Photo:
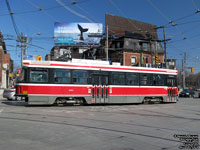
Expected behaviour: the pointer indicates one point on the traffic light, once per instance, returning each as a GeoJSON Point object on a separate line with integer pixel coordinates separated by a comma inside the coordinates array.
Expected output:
{"type": "Point", "coordinates": [192, 69]}
{"type": "Point", "coordinates": [157, 60]}
{"type": "Point", "coordinates": [39, 58]}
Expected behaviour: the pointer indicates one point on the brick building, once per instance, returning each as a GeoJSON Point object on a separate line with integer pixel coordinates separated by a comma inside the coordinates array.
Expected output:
{"type": "Point", "coordinates": [135, 52]}
{"type": "Point", "coordinates": [6, 65]}
{"type": "Point", "coordinates": [133, 43]}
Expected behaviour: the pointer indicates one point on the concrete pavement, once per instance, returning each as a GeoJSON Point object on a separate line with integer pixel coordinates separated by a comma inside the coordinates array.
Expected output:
{"type": "Point", "coordinates": [111, 127]}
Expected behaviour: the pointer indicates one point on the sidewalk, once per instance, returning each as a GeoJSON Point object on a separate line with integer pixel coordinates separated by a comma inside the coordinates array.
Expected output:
{"type": "Point", "coordinates": [1, 93]}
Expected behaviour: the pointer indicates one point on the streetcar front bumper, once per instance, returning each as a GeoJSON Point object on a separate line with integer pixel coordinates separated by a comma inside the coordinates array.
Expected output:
{"type": "Point", "coordinates": [23, 96]}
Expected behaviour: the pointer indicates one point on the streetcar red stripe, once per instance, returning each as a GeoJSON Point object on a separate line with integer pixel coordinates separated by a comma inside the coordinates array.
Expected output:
{"type": "Point", "coordinates": [72, 90]}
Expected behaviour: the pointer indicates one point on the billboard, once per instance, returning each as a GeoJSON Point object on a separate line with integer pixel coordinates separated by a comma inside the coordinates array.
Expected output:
{"type": "Point", "coordinates": [78, 33]}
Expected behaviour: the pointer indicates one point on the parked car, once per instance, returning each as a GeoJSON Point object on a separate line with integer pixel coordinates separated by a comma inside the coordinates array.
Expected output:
{"type": "Point", "coordinates": [187, 93]}
{"type": "Point", "coordinates": [9, 93]}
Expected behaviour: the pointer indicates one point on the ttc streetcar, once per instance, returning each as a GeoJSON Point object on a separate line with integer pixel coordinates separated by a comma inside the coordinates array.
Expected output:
{"type": "Point", "coordinates": [94, 82]}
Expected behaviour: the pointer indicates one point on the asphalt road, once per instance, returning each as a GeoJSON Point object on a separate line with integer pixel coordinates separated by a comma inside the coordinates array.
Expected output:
{"type": "Point", "coordinates": [111, 127]}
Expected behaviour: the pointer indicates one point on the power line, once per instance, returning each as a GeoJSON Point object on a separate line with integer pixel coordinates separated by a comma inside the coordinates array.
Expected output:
{"type": "Point", "coordinates": [194, 5]}
{"type": "Point", "coordinates": [42, 9]}
{"type": "Point", "coordinates": [73, 11]}
{"type": "Point", "coordinates": [184, 37]}
{"type": "Point", "coordinates": [12, 18]}
{"type": "Point", "coordinates": [171, 22]}
{"type": "Point", "coordinates": [195, 36]}
{"type": "Point", "coordinates": [164, 16]}
{"type": "Point", "coordinates": [85, 11]}
{"type": "Point", "coordinates": [184, 23]}
{"type": "Point", "coordinates": [158, 10]}
{"type": "Point", "coordinates": [116, 7]}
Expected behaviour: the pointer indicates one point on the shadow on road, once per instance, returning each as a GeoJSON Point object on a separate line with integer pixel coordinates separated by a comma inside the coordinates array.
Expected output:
{"type": "Point", "coordinates": [15, 103]}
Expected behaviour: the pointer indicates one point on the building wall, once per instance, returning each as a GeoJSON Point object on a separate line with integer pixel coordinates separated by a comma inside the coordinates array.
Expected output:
{"type": "Point", "coordinates": [48, 57]}
{"type": "Point", "coordinates": [118, 25]}
{"type": "Point", "coordinates": [116, 57]}
{"type": "Point", "coordinates": [1, 65]}
{"type": "Point", "coordinates": [5, 66]}
{"type": "Point", "coordinates": [126, 58]}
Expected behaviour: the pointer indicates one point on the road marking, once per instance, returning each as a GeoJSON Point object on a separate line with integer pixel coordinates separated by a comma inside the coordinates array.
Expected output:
{"type": "Point", "coordinates": [1, 110]}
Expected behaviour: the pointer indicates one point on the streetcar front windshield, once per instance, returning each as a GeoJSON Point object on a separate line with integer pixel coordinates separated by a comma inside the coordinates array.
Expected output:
{"type": "Point", "coordinates": [22, 76]}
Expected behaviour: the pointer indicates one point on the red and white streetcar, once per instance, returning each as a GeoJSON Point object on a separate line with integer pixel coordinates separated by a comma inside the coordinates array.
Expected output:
{"type": "Point", "coordinates": [94, 82]}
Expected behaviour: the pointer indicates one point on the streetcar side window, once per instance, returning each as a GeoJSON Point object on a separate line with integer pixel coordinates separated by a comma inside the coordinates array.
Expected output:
{"type": "Point", "coordinates": [62, 76]}
{"type": "Point", "coordinates": [146, 79]}
{"type": "Point", "coordinates": [38, 75]}
{"type": "Point", "coordinates": [80, 77]}
{"type": "Point", "coordinates": [171, 81]}
{"type": "Point", "coordinates": [132, 79]}
{"type": "Point", "coordinates": [159, 79]}
{"type": "Point", "coordinates": [118, 78]}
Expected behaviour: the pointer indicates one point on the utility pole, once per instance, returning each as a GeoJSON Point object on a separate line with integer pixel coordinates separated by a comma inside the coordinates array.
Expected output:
{"type": "Point", "coordinates": [23, 45]}
{"type": "Point", "coordinates": [165, 47]}
{"type": "Point", "coordinates": [183, 69]}
{"type": "Point", "coordinates": [106, 43]}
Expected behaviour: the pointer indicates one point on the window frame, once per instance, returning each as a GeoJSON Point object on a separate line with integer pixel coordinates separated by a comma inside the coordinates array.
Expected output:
{"type": "Point", "coordinates": [149, 81]}
{"type": "Point", "coordinates": [87, 79]}
{"type": "Point", "coordinates": [137, 78]}
{"type": "Point", "coordinates": [38, 69]}
{"type": "Point", "coordinates": [133, 57]}
{"type": "Point", "coordinates": [118, 83]}
{"type": "Point", "coordinates": [163, 79]}
{"type": "Point", "coordinates": [53, 78]}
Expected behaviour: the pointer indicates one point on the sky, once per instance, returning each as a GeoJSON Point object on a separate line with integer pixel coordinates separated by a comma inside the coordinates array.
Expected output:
{"type": "Point", "coordinates": [36, 18]}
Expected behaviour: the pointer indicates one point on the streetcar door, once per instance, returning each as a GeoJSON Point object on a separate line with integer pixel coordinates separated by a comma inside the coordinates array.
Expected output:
{"type": "Point", "coordinates": [171, 82]}
{"type": "Point", "coordinates": [100, 88]}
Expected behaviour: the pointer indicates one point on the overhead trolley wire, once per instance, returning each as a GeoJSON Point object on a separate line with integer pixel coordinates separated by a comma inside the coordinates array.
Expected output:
{"type": "Point", "coordinates": [158, 10]}
{"type": "Point", "coordinates": [194, 5]}
{"type": "Point", "coordinates": [116, 7]}
{"type": "Point", "coordinates": [137, 28]}
{"type": "Point", "coordinates": [73, 11]}
{"type": "Point", "coordinates": [12, 18]}
{"type": "Point", "coordinates": [78, 6]}
{"type": "Point", "coordinates": [42, 9]}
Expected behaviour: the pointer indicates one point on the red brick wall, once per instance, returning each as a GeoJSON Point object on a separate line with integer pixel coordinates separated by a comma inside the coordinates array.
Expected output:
{"type": "Point", "coordinates": [1, 63]}
{"type": "Point", "coordinates": [4, 58]}
{"type": "Point", "coordinates": [127, 58]}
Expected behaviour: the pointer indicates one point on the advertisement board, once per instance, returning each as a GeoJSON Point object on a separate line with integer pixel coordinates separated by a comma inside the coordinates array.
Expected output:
{"type": "Point", "coordinates": [78, 33]}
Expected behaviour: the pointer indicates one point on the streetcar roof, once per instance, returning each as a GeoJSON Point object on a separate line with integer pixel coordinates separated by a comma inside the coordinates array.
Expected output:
{"type": "Point", "coordinates": [95, 65]}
